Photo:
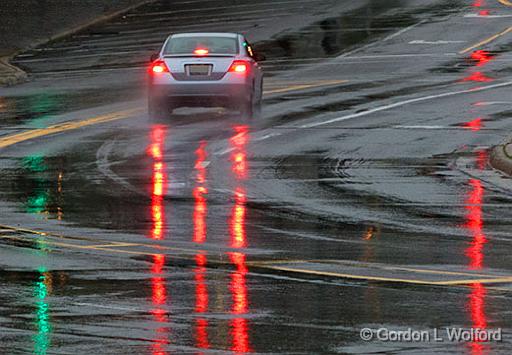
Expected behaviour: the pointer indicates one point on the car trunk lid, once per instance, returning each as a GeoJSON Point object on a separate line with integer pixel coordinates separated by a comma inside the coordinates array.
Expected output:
{"type": "Point", "coordinates": [192, 68]}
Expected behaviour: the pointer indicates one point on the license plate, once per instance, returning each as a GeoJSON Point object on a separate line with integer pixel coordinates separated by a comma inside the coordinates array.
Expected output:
{"type": "Point", "coordinates": [199, 69]}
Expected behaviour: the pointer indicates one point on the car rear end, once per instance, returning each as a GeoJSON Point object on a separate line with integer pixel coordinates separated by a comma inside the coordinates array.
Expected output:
{"type": "Point", "coordinates": [201, 70]}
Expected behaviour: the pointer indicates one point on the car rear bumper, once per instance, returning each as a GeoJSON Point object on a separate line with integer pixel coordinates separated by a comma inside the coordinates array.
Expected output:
{"type": "Point", "coordinates": [229, 88]}
{"type": "Point", "coordinates": [201, 90]}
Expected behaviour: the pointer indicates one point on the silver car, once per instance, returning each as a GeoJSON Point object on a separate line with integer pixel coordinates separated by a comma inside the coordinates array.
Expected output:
{"type": "Point", "coordinates": [205, 69]}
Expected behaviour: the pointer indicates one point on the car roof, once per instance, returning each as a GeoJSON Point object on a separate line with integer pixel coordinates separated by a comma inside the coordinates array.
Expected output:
{"type": "Point", "coordinates": [206, 34]}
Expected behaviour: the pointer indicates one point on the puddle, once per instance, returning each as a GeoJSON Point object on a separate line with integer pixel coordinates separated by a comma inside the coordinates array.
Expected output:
{"type": "Point", "coordinates": [333, 36]}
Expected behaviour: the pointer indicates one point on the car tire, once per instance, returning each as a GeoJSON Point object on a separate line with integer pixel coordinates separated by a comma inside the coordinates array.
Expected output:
{"type": "Point", "coordinates": [247, 109]}
{"type": "Point", "coordinates": [158, 110]}
{"type": "Point", "coordinates": [257, 110]}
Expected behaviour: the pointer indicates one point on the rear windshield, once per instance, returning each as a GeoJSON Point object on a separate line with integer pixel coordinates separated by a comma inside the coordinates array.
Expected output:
{"type": "Point", "coordinates": [214, 45]}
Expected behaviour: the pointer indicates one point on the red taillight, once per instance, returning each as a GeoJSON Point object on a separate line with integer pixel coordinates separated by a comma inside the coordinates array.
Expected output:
{"type": "Point", "coordinates": [239, 66]}
{"type": "Point", "coordinates": [159, 67]}
{"type": "Point", "coordinates": [201, 51]}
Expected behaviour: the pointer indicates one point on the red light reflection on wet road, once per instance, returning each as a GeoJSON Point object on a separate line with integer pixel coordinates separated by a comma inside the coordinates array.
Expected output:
{"type": "Point", "coordinates": [201, 307]}
{"type": "Point", "coordinates": [474, 200]}
{"type": "Point", "coordinates": [477, 303]}
{"type": "Point", "coordinates": [474, 224]}
{"type": "Point", "coordinates": [474, 125]}
{"type": "Point", "coordinates": [238, 288]}
{"type": "Point", "coordinates": [200, 192]}
{"type": "Point", "coordinates": [478, 77]}
{"type": "Point", "coordinates": [200, 213]}
{"type": "Point", "coordinates": [239, 155]}
{"type": "Point", "coordinates": [239, 325]}
{"type": "Point", "coordinates": [479, 59]}
{"type": "Point", "coordinates": [159, 181]}
{"type": "Point", "coordinates": [240, 169]}
{"type": "Point", "coordinates": [159, 301]}
{"type": "Point", "coordinates": [481, 159]}
{"type": "Point", "coordinates": [478, 317]}
{"type": "Point", "coordinates": [159, 296]}
{"type": "Point", "coordinates": [479, 4]}
{"type": "Point", "coordinates": [238, 235]}
{"type": "Point", "coordinates": [157, 142]}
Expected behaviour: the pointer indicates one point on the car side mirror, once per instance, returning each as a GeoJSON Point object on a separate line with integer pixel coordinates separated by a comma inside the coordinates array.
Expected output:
{"type": "Point", "coordinates": [154, 57]}
{"type": "Point", "coordinates": [259, 57]}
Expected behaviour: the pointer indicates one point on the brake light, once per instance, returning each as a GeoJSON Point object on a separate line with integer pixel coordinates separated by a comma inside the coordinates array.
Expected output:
{"type": "Point", "coordinates": [239, 66]}
{"type": "Point", "coordinates": [159, 67]}
{"type": "Point", "coordinates": [201, 51]}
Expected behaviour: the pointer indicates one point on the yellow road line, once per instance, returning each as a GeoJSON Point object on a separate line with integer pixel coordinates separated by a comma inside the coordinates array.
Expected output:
{"type": "Point", "coordinates": [506, 2]}
{"type": "Point", "coordinates": [66, 126]}
{"type": "Point", "coordinates": [102, 247]}
{"type": "Point", "coordinates": [282, 261]}
{"type": "Point", "coordinates": [477, 281]}
{"type": "Point", "coordinates": [113, 247]}
{"type": "Point", "coordinates": [45, 234]}
{"type": "Point", "coordinates": [438, 272]}
{"type": "Point", "coordinates": [353, 276]}
{"type": "Point", "coordinates": [487, 40]}
{"type": "Point", "coordinates": [394, 268]}
{"type": "Point", "coordinates": [68, 245]}
{"type": "Point", "coordinates": [493, 288]}
{"type": "Point", "coordinates": [304, 86]}
{"type": "Point", "coordinates": [391, 279]}
{"type": "Point", "coordinates": [109, 245]}
{"type": "Point", "coordinates": [99, 246]}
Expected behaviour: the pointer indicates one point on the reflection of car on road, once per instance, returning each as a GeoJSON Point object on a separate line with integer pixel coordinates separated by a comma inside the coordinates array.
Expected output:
{"type": "Point", "coordinates": [205, 69]}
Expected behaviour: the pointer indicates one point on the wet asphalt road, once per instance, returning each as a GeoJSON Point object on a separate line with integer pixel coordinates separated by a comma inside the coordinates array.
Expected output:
{"type": "Point", "coordinates": [361, 198]}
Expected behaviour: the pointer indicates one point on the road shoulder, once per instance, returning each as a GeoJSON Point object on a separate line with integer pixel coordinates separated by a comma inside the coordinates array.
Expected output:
{"type": "Point", "coordinates": [501, 157]}
{"type": "Point", "coordinates": [12, 75]}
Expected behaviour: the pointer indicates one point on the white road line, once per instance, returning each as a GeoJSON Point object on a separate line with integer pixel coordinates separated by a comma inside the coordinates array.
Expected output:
{"type": "Point", "coordinates": [408, 55]}
{"type": "Point", "coordinates": [486, 16]}
{"type": "Point", "coordinates": [407, 102]}
{"type": "Point", "coordinates": [377, 56]}
{"type": "Point", "coordinates": [435, 42]}
{"type": "Point", "coordinates": [104, 166]}
{"type": "Point", "coordinates": [79, 56]}
{"type": "Point", "coordinates": [379, 109]}
{"type": "Point", "coordinates": [403, 30]}
{"type": "Point", "coordinates": [203, 165]}
{"type": "Point", "coordinates": [116, 308]}
{"type": "Point", "coordinates": [224, 152]}
{"type": "Point", "coordinates": [266, 137]}
{"type": "Point", "coordinates": [422, 127]}
{"type": "Point", "coordinates": [489, 103]}
{"type": "Point", "coordinates": [388, 38]}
